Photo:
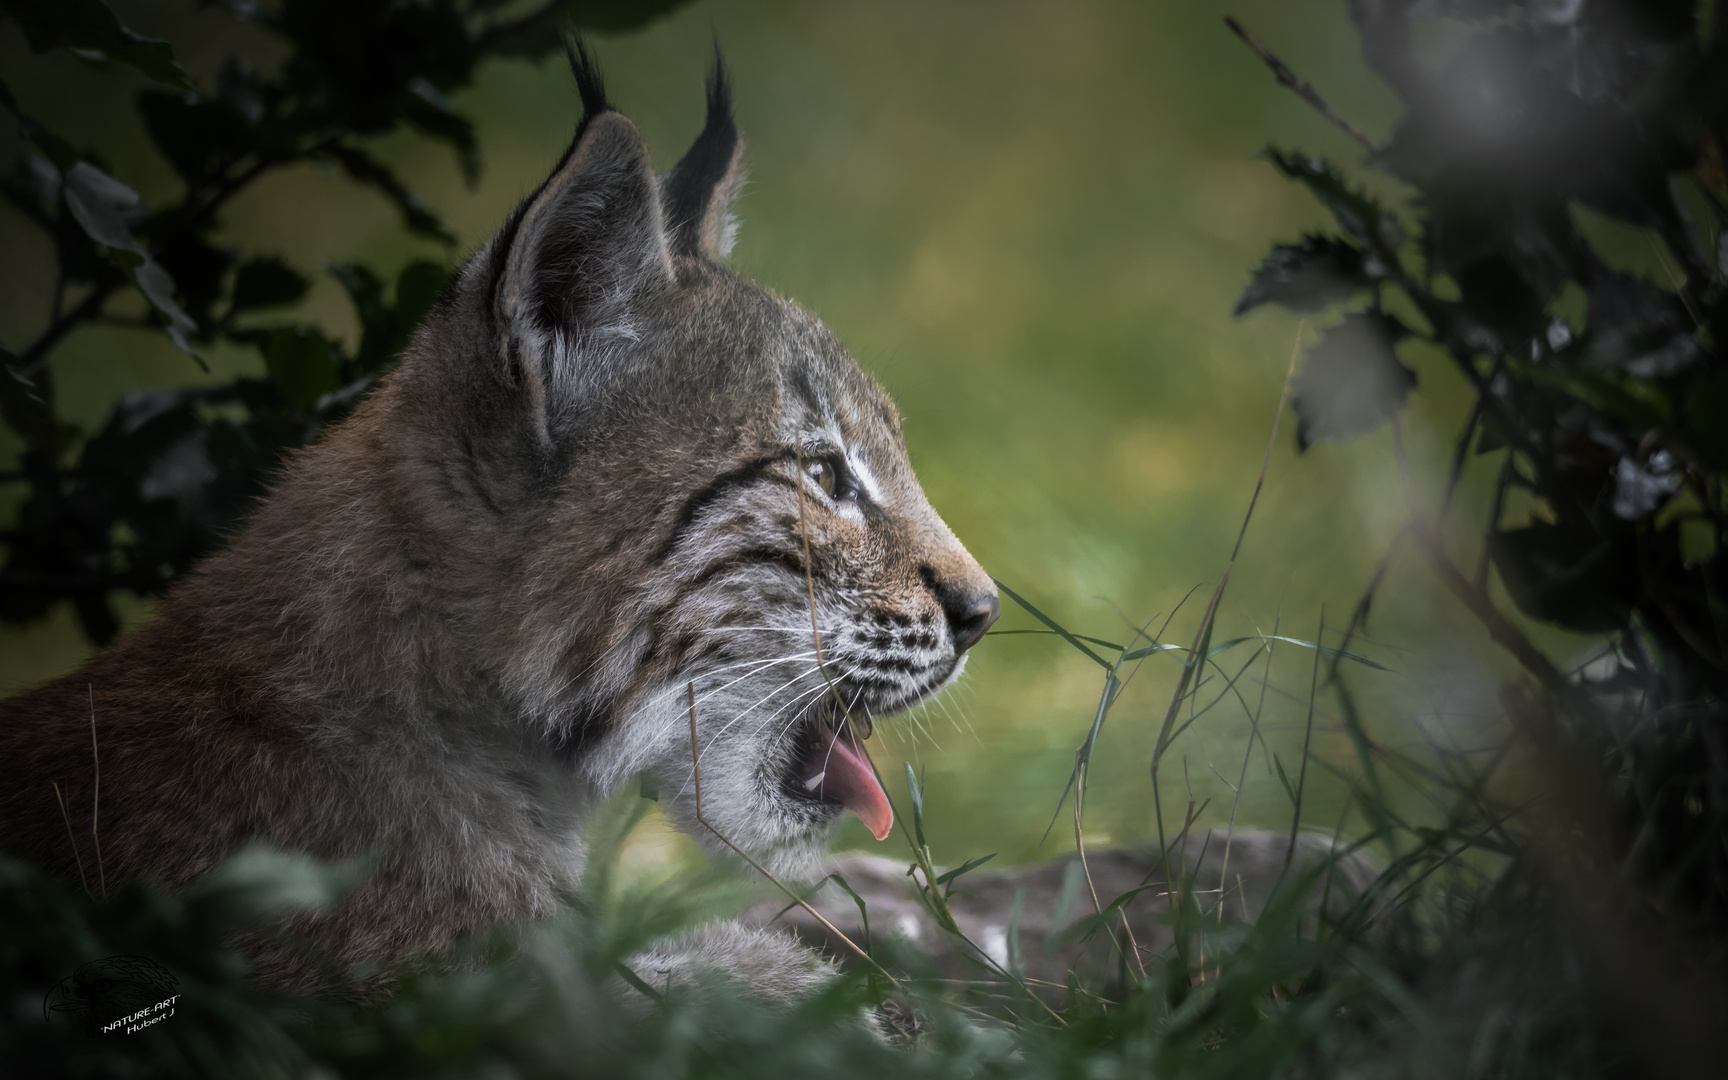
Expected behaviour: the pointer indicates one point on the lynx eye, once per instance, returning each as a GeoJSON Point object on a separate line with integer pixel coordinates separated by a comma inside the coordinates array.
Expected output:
{"type": "Point", "coordinates": [830, 476]}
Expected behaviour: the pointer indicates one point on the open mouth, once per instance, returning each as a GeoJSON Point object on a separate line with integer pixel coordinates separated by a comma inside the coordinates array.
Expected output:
{"type": "Point", "coordinates": [832, 768]}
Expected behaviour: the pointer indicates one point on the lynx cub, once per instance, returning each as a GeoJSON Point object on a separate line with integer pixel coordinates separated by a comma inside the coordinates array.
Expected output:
{"type": "Point", "coordinates": [607, 470]}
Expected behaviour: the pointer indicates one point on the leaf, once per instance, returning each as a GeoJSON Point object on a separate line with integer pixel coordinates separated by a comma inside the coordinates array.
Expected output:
{"type": "Point", "coordinates": [966, 867]}
{"type": "Point", "coordinates": [158, 287]}
{"type": "Point", "coordinates": [1375, 228]}
{"type": "Point", "coordinates": [90, 26]}
{"type": "Point", "coordinates": [1583, 579]}
{"type": "Point", "coordinates": [418, 287]}
{"type": "Point", "coordinates": [1637, 328]}
{"type": "Point", "coordinates": [1284, 778]}
{"type": "Point", "coordinates": [370, 171]}
{"type": "Point", "coordinates": [301, 362]}
{"type": "Point", "coordinates": [266, 282]}
{"type": "Point", "coordinates": [1497, 295]}
{"type": "Point", "coordinates": [1156, 647]}
{"type": "Point", "coordinates": [1051, 623]}
{"type": "Point", "coordinates": [1306, 277]}
{"type": "Point", "coordinates": [385, 326]}
{"type": "Point", "coordinates": [1080, 637]}
{"type": "Point", "coordinates": [629, 975]}
{"type": "Point", "coordinates": [197, 135]}
{"type": "Point", "coordinates": [1087, 925]}
{"type": "Point", "coordinates": [863, 911]}
{"type": "Point", "coordinates": [105, 209]}
{"type": "Point", "coordinates": [1329, 650]}
{"type": "Point", "coordinates": [1640, 403]}
{"type": "Point", "coordinates": [917, 803]}
{"type": "Point", "coordinates": [1352, 381]}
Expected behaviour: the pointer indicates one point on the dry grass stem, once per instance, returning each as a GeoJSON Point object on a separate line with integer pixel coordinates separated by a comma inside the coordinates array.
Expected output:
{"type": "Point", "coordinates": [96, 798]}
{"type": "Point", "coordinates": [73, 838]}
{"type": "Point", "coordinates": [1133, 950]}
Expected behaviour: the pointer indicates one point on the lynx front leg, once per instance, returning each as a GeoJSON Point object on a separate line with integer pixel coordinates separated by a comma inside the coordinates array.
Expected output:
{"type": "Point", "coordinates": [772, 964]}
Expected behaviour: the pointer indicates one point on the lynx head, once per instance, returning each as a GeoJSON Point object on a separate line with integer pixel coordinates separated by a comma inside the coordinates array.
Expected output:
{"type": "Point", "coordinates": [684, 492]}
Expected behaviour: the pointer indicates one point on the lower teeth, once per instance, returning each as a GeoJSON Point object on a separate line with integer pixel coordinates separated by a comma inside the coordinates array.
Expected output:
{"type": "Point", "coordinates": [812, 783]}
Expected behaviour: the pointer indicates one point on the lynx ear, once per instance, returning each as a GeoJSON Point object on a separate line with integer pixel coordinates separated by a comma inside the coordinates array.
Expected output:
{"type": "Point", "coordinates": [699, 190]}
{"type": "Point", "coordinates": [577, 258]}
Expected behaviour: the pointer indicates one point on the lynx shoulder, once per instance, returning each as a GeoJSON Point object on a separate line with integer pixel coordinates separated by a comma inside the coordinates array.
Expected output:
{"type": "Point", "coordinates": [608, 478]}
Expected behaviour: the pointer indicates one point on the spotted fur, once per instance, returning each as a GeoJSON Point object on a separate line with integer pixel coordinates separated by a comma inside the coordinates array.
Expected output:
{"type": "Point", "coordinates": [593, 486]}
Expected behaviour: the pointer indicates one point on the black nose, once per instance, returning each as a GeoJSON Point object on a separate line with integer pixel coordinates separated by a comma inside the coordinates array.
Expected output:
{"type": "Point", "coordinates": [969, 616]}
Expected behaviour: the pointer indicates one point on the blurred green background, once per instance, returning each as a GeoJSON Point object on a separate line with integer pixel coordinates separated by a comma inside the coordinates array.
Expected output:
{"type": "Point", "coordinates": [1029, 222]}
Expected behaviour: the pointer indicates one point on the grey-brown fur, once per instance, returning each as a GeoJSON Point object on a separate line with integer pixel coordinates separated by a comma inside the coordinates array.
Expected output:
{"type": "Point", "coordinates": [473, 609]}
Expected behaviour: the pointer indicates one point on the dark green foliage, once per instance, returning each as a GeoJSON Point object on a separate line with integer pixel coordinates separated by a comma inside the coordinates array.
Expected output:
{"type": "Point", "coordinates": [1546, 117]}
{"type": "Point", "coordinates": [545, 1001]}
{"type": "Point", "coordinates": [133, 505]}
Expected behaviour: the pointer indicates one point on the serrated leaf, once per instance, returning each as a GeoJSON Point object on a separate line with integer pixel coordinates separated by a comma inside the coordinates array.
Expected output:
{"type": "Point", "coordinates": [1306, 277]}
{"type": "Point", "coordinates": [1361, 217]}
{"type": "Point", "coordinates": [1352, 381]}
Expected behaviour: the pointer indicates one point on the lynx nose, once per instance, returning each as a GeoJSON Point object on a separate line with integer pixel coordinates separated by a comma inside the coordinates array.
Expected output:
{"type": "Point", "coordinates": [969, 617]}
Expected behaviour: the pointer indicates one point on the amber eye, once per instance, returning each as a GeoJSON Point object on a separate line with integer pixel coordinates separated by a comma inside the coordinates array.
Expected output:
{"type": "Point", "coordinates": [825, 474]}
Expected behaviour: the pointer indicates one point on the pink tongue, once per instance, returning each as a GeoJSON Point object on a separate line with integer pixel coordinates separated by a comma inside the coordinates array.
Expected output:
{"type": "Point", "coordinates": [847, 777]}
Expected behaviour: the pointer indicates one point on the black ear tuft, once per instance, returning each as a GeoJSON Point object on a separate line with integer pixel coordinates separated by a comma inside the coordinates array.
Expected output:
{"type": "Point", "coordinates": [697, 194]}
{"type": "Point", "coordinates": [575, 261]}
{"type": "Point", "coordinates": [588, 81]}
